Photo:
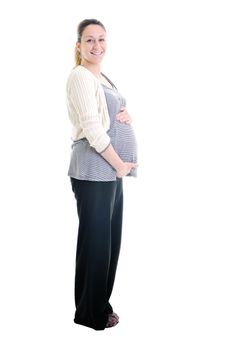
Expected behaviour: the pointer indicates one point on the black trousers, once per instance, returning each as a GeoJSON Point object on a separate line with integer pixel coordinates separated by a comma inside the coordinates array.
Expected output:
{"type": "Point", "coordinates": [100, 209]}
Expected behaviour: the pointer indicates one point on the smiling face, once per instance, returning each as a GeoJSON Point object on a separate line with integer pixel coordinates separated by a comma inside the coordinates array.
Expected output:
{"type": "Point", "coordinates": [93, 45]}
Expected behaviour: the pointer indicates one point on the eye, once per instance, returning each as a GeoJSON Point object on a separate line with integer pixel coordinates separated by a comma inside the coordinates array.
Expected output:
{"type": "Point", "coordinates": [102, 39]}
{"type": "Point", "coordinates": [89, 40]}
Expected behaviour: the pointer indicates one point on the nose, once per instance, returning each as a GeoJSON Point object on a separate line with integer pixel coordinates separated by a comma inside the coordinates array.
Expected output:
{"type": "Point", "coordinates": [96, 44]}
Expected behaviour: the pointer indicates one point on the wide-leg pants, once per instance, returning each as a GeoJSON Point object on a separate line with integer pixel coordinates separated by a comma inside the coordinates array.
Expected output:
{"type": "Point", "coordinates": [100, 209]}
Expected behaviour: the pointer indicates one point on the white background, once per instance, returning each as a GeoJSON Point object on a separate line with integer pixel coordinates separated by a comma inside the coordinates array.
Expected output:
{"type": "Point", "coordinates": [172, 61]}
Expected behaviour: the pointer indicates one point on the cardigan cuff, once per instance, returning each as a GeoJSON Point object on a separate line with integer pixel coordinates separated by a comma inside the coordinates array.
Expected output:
{"type": "Point", "coordinates": [105, 148]}
{"type": "Point", "coordinates": [102, 144]}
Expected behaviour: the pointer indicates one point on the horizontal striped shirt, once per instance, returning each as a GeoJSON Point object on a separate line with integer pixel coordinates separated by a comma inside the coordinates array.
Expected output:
{"type": "Point", "coordinates": [87, 164]}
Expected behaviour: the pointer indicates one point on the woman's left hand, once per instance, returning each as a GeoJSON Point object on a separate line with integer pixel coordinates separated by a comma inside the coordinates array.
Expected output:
{"type": "Point", "coordinates": [123, 116]}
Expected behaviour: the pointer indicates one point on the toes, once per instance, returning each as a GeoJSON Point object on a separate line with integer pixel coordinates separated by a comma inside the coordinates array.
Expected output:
{"type": "Point", "coordinates": [115, 315]}
{"type": "Point", "coordinates": [112, 321]}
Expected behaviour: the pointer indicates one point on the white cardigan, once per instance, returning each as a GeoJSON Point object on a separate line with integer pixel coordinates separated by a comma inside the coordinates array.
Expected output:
{"type": "Point", "coordinates": [87, 108]}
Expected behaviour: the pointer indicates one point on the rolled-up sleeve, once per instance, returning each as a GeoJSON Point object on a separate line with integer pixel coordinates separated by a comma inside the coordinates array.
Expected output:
{"type": "Point", "coordinates": [82, 95]}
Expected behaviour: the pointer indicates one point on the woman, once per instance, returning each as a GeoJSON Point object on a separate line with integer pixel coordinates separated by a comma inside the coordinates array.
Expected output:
{"type": "Point", "coordinates": [103, 151]}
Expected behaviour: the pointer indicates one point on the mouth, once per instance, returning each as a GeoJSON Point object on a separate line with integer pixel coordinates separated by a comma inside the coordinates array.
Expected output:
{"type": "Point", "coordinates": [96, 53]}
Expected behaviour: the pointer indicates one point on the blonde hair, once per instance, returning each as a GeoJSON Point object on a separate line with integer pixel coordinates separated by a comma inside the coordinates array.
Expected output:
{"type": "Point", "coordinates": [77, 57]}
{"type": "Point", "coordinates": [81, 26]}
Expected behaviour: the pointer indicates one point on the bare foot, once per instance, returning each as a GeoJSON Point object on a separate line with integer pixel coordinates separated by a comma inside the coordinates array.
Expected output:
{"type": "Point", "coordinates": [112, 321]}
{"type": "Point", "coordinates": [114, 315]}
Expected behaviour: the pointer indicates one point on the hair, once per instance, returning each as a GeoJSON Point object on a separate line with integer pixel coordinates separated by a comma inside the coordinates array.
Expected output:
{"type": "Point", "coordinates": [80, 29]}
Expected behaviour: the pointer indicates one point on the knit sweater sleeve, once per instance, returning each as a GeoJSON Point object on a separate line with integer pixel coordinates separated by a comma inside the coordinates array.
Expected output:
{"type": "Point", "coordinates": [81, 92]}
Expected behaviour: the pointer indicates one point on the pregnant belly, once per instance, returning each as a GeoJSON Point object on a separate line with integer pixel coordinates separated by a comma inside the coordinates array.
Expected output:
{"type": "Point", "coordinates": [125, 142]}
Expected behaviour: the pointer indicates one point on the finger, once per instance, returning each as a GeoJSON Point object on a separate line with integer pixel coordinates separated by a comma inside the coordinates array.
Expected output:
{"type": "Point", "coordinates": [123, 119]}
{"type": "Point", "coordinates": [121, 114]}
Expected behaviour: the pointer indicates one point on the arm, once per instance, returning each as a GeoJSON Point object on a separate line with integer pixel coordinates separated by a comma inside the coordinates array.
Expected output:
{"type": "Point", "coordinates": [81, 91]}
{"type": "Point", "coordinates": [122, 168]}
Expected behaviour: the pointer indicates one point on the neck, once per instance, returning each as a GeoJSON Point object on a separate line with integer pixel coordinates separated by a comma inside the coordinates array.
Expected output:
{"type": "Point", "coordinates": [93, 68]}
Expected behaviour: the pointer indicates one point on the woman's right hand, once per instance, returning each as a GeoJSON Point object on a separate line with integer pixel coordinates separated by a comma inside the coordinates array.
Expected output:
{"type": "Point", "coordinates": [122, 168]}
{"type": "Point", "coordinates": [126, 169]}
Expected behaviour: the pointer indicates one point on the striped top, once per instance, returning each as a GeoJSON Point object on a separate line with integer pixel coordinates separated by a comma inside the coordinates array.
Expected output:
{"type": "Point", "coordinates": [87, 164]}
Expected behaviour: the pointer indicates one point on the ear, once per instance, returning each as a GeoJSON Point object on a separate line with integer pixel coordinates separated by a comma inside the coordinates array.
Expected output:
{"type": "Point", "coordinates": [78, 46]}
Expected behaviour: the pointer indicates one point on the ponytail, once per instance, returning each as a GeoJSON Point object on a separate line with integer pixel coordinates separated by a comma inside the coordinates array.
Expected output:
{"type": "Point", "coordinates": [77, 57]}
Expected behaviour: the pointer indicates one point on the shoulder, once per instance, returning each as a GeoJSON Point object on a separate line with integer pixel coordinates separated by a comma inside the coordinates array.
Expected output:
{"type": "Point", "coordinates": [82, 75]}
